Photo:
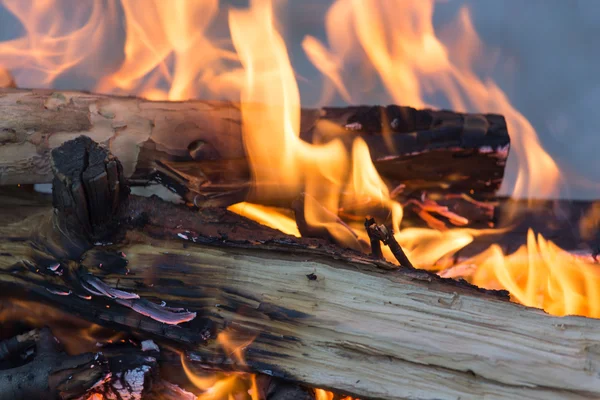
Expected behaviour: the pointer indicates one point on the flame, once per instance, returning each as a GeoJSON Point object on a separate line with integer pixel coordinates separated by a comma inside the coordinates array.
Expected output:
{"type": "Point", "coordinates": [397, 41]}
{"type": "Point", "coordinates": [216, 387]}
{"type": "Point", "coordinates": [321, 394]}
{"type": "Point", "coordinates": [221, 386]}
{"type": "Point", "coordinates": [541, 274]}
{"type": "Point", "coordinates": [76, 335]}
{"type": "Point", "coordinates": [270, 104]}
{"type": "Point", "coordinates": [172, 33]}
{"type": "Point", "coordinates": [54, 41]}
{"type": "Point", "coordinates": [173, 51]}
{"type": "Point", "coordinates": [269, 216]}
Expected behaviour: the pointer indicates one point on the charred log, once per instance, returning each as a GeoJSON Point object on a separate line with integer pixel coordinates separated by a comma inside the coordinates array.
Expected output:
{"type": "Point", "coordinates": [439, 151]}
{"type": "Point", "coordinates": [53, 374]}
{"type": "Point", "coordinates": [309, 308]}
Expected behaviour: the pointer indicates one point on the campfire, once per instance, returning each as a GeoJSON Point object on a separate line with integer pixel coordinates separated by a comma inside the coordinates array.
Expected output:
{"type": "Point", "coordinates": [187, 228]}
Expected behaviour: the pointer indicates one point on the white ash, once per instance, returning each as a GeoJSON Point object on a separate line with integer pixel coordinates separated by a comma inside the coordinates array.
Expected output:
{"type": "Point", "coordinates": [502, 151]}
{"type": "Point", "coordinates": [54, 267]}
{"type": "Point", "coordinates": [158, 190]}
{"type": "Point", "coordinates": [133, 383]}
{"type": "Point", "coordinates": [149, 345]}
{"type": "Point", "coordinates": [355, 126]}
{"type": "Point", "coordinates": [97, 287]}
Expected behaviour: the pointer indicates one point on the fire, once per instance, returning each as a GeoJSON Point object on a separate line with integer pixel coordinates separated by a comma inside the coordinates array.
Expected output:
{"type": "Point", "coordinates": [542, 275]}
{"type": "Point", "coordinates": [270, 104]}
{"type": "Point", "coordinates": [175, 50]}
{"type": "Point", "coordinates": [397, 41]}
{"type": "Point", "coordinates": [172, 32]}
{"type": "Point", "coordinates": [269, 216]}
{"type": "Point", "coordinates": [216, 387]}
{"type": "Point", "coordinates": [54, 41]}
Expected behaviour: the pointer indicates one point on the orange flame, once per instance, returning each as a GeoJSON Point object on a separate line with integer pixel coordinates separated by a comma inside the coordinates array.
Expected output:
{"type": "Point", "coordinates": [321, 394]}
{"type": "Point", "coordinates": [171, 52]}
{"type": "Point", "coordinates": [271, 124]}
{"type": "Point", "coordinates": [216, 387]}
{"type": "Point", "coordinates": [55, 41]}
{"type": "Point", "coordinates": [172, 32]}
{"type": "Point", "coordinates": [542, 275]}
{"type": "Point", "coordinates": [399, 42]}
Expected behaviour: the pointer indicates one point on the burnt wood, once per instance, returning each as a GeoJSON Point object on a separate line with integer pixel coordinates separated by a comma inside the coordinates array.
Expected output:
{"type": "Point", "coordinates": [117, 372]}
{"type": "Point", "coordinates": [304, 308]}
{"type": "Point", "coordinates": [430, 150]}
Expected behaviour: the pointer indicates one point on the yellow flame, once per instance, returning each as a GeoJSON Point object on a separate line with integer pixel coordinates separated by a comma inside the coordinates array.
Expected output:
{"type": "Point", "coordinates": [173, 32]}
{"type": "Point", "coordinates": [321, 394]}
{"type": "Point", "coordinates": [399, 42]}
{"type": "Point", "coordinates": [540, 274]}
{"type": "Point", "coordinates": [217, 387]}
{"type": "Point", "coordinates": [269, 216]}
{"type": "Point", "coordinates": [55, 41]}
{"type": "Point", "coordinates": [271, 123]}
{"type": "Point", "coordinates": [170, 52]}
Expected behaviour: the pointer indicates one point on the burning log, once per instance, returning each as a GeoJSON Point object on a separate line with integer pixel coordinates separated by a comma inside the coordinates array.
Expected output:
{"type": "Point", "coordinates": [305, 311]}
{"type": "Point", "coordinates": [422, 149]}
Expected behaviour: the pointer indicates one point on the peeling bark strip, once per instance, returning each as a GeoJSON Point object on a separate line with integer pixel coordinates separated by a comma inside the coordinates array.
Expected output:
{"type": "Point", "coordinates": [423, 149]}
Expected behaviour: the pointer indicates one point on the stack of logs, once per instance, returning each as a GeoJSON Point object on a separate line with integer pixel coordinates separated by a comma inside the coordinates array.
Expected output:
{"type": "Point", "coordinates": [316, 315]}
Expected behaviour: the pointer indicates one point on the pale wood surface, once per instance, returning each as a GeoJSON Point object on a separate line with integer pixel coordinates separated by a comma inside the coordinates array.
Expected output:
{"type": "Point", "coordinates": [356, 328]}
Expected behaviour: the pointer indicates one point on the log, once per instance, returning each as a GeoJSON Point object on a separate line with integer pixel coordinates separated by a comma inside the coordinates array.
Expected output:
{"type": "Point", "coordinates": [422, 149]}
{"type": "Point", "coordinates": [304, 310]}
{"type": "Point", "coordinates": [124, 367]}
{"type": "Point", "coordinates": [122, 371]}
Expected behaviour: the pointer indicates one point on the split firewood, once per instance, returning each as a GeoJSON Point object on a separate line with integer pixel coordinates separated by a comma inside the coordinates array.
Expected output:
{"type": "Point", "coordinates": [422, 149]}
{"type": "Point", "coordinates": [305, 310]}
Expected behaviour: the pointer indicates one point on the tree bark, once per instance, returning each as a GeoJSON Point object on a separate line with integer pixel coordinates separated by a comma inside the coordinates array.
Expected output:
{"type": "Point", "coordinates": [304, 310]}
{"type": "Point", "coordinates": [422, 149]}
